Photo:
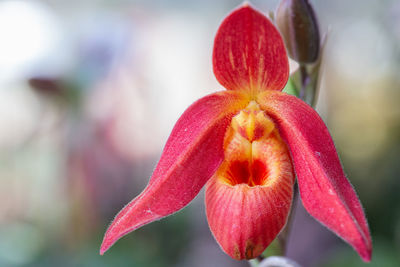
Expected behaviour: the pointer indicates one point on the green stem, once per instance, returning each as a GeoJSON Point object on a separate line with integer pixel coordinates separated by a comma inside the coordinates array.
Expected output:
{"type": "Point", "coordinates": [303, 78]}
{"type": "Point", "coordinates": [284, 235]}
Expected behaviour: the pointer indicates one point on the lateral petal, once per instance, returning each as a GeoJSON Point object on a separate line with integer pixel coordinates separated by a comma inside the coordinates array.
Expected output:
{"type": "Point", "coordinates": [325, 191]}
{"type": "Point", "coordinates": [249, 53]}
{"type": "Point", "coordinates": [191, 155]}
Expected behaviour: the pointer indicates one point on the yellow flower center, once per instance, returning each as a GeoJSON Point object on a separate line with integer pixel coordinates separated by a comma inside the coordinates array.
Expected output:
{"type": "Point", "coordinates": [254, 152]}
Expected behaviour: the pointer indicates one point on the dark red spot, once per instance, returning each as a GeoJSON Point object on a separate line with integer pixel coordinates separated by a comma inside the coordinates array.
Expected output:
{"type": "Point", "coordinates": [239, 172]}
{"type": "Point", "coordinates": [258, 172]}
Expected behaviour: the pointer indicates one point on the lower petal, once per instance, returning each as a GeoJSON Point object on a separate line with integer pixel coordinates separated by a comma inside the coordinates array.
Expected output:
{"type": "Point", "coordinates": [245, 220]}
{"type": "Point", "coordinates": [249, 197]}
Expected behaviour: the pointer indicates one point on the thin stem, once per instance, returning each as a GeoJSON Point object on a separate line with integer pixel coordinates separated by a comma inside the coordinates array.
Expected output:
{"type": "Point", "coordinates": [304, 81]}
{"type": "Point", "coordinates": [284, 235]}
{"type": "Point", "coordinates": [309, 84]}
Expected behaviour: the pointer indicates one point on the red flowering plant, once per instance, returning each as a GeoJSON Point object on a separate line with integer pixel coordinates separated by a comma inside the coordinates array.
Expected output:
{"type": "Point", "coordinates": [246, 145]}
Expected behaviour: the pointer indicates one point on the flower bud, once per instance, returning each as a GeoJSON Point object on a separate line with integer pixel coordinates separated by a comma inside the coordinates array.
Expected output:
{"type": "Point", "coordinates": [299, 27]}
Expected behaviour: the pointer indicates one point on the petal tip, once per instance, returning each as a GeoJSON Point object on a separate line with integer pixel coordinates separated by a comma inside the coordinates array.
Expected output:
{"type": "Point", "coordinates": [106, 244]}
{"type": "Point", "coordinates": [246, 5]}
{"type": "Point", "coordinates": [112, 235]}
{"type": "Point", "coordinates": [366, 255]}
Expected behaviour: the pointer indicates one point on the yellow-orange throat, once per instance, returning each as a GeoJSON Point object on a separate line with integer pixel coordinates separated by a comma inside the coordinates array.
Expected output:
{"type": "Point", "coordinates": [254, 152]}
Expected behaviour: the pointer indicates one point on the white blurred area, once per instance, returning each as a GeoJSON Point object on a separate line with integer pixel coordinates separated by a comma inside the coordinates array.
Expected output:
{"type": "Point", "coordinates": [30, 33]}
{"type": "Point", "coordinates": [118, 75]}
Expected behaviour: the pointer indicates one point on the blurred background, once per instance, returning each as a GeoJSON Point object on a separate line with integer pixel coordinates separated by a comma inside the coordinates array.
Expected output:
{"type": "Point", "coordinates": [89, 91]}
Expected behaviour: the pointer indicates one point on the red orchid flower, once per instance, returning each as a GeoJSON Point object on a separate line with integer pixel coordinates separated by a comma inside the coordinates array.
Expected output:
{"type": "Point", "coordinates": [247, 144]}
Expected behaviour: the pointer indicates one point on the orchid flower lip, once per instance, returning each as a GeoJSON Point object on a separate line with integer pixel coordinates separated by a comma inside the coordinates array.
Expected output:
{"type": "Point", "coordinates": [255, 181]}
